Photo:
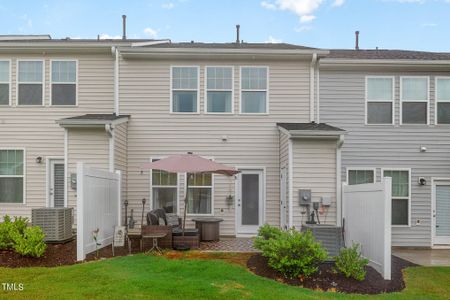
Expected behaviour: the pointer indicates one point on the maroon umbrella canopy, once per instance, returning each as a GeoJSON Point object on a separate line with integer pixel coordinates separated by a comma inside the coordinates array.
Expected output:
{"type": "Point", "coordinates": [189, 163]}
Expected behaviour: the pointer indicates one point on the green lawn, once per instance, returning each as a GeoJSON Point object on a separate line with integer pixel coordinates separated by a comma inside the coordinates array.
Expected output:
{"type": "Point", "coordinates": [149, 277]}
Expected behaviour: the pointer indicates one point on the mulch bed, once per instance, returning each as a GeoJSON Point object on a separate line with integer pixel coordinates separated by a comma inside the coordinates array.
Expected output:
{"type": "Point", "coordinates": [328, 280]}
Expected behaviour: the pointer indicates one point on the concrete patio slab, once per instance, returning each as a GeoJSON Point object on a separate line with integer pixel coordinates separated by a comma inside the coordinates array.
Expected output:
{"type": "Point", "coordinates": [424, 257]}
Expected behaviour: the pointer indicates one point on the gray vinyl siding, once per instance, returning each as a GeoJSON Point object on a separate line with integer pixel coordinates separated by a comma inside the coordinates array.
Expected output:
{"type": "Point", "coordinates": [284, 163]}
{"type": "Point", "coordinates": [314, 169]}
{"type": "Point", "coordinates": [252, 140]}
{"type": "Point", "coordinates": [34, 128]}
{"type": "Point", "coordinates": [342, 104]}
{"type": "Point", "coordinates": [120, 155]}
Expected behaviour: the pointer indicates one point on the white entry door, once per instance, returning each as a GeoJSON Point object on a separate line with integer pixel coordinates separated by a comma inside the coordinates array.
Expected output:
{"type": "Point", "coordinates": [283, 185]}
{"type": "Point", "coordinates": [250, 201]}
{"type": "Point", "coordinates": [56, 183]}
{"type": "Point", "coordinates": [441, 213]}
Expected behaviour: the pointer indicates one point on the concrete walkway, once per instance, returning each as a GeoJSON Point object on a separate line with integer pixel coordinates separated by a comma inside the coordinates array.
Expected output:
{"type": "Point", "coordinates": [424, 257]}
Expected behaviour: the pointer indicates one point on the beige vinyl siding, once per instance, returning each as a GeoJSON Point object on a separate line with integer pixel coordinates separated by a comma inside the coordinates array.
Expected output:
{"type": "Point", "coordinates": [388, 146]}
{"type": "Point", "coordinates": [34, 128]}
{"type": "Point", "coordinates": [314, 169]}
{"type": "Point", "coordinates": [120, 155]}
{"type": "Point", "coordinates": [251, 140]}
{"type": "Point", "coordinates": [284, 163]}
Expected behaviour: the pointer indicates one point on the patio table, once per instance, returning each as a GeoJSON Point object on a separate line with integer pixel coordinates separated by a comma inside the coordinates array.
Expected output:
{"type": "Point", "coordinates": [154, 236]}
{"type": "Point", "coordinates": [208, 228]}
{"type": "Point", "coordinates": [134, 234]}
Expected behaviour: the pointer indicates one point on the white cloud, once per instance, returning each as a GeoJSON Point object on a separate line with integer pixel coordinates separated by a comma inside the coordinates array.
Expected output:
{"type": "Point", "coordinates": [273, 40]}
{"type": "Point", "coordinates": [168, 5]}
{"type": "Point", "coordinates": [105, 36]}
{"type": "Point", "coordinates": [152, 33]}
{"type": "Point", "coordinates": [307, 18]}
{"type": "Point", "coordinates": [337, 3]}
{"type": "Point", "coordinates": [268, 5]}
{"type": "Point", "coordinates": [428, 24]}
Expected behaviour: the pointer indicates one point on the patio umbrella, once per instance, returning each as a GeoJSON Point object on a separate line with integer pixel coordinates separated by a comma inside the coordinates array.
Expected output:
{"type": "Point", "coordinates": [189, 163]}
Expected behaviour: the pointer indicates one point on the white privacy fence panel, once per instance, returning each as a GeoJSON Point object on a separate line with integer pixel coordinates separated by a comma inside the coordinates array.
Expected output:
{"type": "Point", "coordinates": [98, 207]}
{"type": "Point", "coordinates": [367, 216]}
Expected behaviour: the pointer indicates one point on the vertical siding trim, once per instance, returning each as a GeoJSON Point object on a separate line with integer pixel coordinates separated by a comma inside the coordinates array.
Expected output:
{"type": "Point", "coordinates": [311, 86]}
{"type": "Point", "coordinates": [338, 182]}
{"type": "Point", "coordinates": [66, 154]}
{"type": "Point", "coordinates": [116, 81]}
{"type": "Point", "coordinates": [318, 95]}
{"type": "Point", "coordinates": [111, 135]}
{"type": "Point", "coordinates": [291, 190]}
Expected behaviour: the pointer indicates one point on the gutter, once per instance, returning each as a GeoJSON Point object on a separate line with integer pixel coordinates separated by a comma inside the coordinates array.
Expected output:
{"type": "Point", "coordinates": [336, 62]}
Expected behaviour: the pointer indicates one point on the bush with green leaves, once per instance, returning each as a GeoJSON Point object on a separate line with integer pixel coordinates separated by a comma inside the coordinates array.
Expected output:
{"type": "Point", "coordinates": [30, 242]}
{"type": "Point", "coordinates": [290, 252]}
{"type": "Point", "coordinates": [351, 263]}
{"type": "Point", "coordinates": [8, 228]}
{"type": "Point", "coordinates": [265, 233]}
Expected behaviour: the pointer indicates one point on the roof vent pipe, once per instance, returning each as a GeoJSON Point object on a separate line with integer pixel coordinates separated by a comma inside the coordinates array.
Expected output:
{"type": "Point", "coordinates": [124, 27]}
{"type": "Point", "coordinates": [357, 40]}
{"type": "Point", "coordinates": [237, 33]}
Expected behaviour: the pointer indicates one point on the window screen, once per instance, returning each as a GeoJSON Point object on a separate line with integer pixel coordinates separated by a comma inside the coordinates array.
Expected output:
{"type": "Point", "coordinates": [400, 196]}
{"type": "Point", "coordinates": [184, 89]}
{"type": "Point", "coordinates": [219, 88]}
{"type": "Point", "coordinates": [30, 81]}
{"type": "Point", "coordinates": [4, 82]}
{"type": "Point", "coordinates": [64, 89]}
{"type": "Point", "coordinates": [379, 100]}
{"type": "Point", "coordinates": [11, 176]}
{"type": "Point", "coordinates": [360, 176]}
{"type": "Point", "coordinates": [200, 193]}
{"type": "Point", "coordinates": [164, 190]}
{"type": "Point", "coordinates": [414, 100]}
{"type": "Point", "coordinates": [443, 100]}
{"type": "Point", "coordinates": [254, 90]}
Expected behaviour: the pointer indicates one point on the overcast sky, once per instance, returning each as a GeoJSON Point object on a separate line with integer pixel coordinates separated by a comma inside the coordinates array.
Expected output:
{"type": "Point", "coordinates": [391, 24]}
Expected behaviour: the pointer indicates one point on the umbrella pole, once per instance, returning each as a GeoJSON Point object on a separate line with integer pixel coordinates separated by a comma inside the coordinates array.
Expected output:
{"type": "Point", "coordinates": [186, 202]}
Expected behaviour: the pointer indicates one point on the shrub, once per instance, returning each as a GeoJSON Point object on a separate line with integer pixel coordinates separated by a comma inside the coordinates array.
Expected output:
{"type": "Point", "coordinates": [265, 233]}
{"type": "Point", "coordinates": [290, 252]}
{"type": "Point", "coordinates": [30, 242]}
{"type": "Point", "coordinates": [351, 263]}
{"type": "Point", "coordinates": [8, 228]}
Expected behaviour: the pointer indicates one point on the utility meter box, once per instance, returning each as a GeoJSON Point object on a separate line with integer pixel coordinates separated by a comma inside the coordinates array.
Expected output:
{"type": "Point", "coordinates": [326, 200]}
{"type": "Point", "coordinates": [304, 197]}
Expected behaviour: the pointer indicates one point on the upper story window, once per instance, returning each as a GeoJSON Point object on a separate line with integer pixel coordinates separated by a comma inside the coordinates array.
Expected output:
{"type": "Point", "coordinates": [11, 176]}
{"type": "Point", "coordinates": [414, 100]}
{"type": "Point", "coordinates": [30, 90]}
{"type": "Point", "coordinates": [4, 82]}
{"type": "Point", "coordinates": [400, 195]}
{"type": "Point", "coordinates": [64, 82]}
{"type": "Point", "coordinates": [219, 89]}
{"type": "Point", "coordinates": [360, 176]}
{"type": "Point", "coordinates": [380, 100]}
{"type": "Point", "coordinates": [443, 100]}
{"type": "Point", "coordinates": [185, 95]}
{"type": "Point", "coordinates": [254, 82]}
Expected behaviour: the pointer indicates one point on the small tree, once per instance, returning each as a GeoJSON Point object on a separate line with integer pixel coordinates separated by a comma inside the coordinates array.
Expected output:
{"type": "Point", "coordinates": [351, 263]}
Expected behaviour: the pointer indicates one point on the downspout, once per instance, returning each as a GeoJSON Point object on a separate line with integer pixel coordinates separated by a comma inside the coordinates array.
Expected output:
{"type": "Point", "coordinates": [318, 91]}
{"type": "Point", "coordinates": [115, 52]}
{"type": "Point", "coordinates": [110, 131]}
{"type": "Point", "coordinates": [312, 68]}
{"type": "Point", "coordinates": [339, 202]}
{"type": "Point", "coordinates": [290, 182]}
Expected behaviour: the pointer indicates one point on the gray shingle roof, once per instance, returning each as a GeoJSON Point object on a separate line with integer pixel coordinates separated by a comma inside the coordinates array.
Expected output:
{"type": "Point", "coordinates": [309, 126]}
{"type": "Point", "coordinates": [98, 117]}
{"type": "Point", "coordinates": [282, 46]}
{"type": "Point", "coordinates": [92, 120]}
{"type": "Point", "coordinates": [387, 54]}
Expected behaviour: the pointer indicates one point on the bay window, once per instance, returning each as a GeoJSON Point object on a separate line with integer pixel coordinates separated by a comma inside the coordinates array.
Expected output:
{"type": "Point", "coordinates": [380, 100]}
{"type": "Point", "coordinates": [30, 79]}
{"type": "Point", "coordinates": [11, 176]}
{"type": "Point", "coordinates": [443, 100]}
{"type": "Point", "coordinates": [414, 100]}
{"type": "Point", "coordinates": [64, 83]}
{"type": "Point", "coordinates": [200, 193]}
{"type": "Point", "coordinates": [254, 81]}
{"type": "Point", "coordinates": [400, 195]}
{"type": "Point", "coordinates": [164, 190]}
{"type": "Point", "coordinates": [184, 94]}
{"type": "Point", "coordinates": [219, 89]}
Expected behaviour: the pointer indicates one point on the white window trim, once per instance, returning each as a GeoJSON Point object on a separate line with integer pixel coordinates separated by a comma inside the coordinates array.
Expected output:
{"type": "Point", "coordinates": [218, 90]}
{"type": "Point", "coordinates": [9, 83]}
{"type": "Point", "coordinates": [438, 101]}
{"type": "Point", "coordinates": [367, 100]}
{"type": "Point", "coordinates": [17, 83]}
{"type": "Point", "coordinates": [212, 193]}
{"type": "Point", "coordinates": [348, 169]}
{"type": "Point", "coordinates": [252, 90]}
{"type": "Point", "coordinates": [415, 101]}
{"type": "Point", "coordinates": [409, 192]}
{"type": "Point", "coordinates": [51, 82]}
{"type": "Point", "coordinates": [24, 202]}
{"type": "Point", "coordinates": [197, 90]}
{"type": "Point", "coordinates": [163, 186]}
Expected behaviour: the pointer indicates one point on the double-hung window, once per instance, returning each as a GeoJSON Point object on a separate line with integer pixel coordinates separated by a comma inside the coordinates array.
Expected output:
{"type": "Point", "coordinates": [200, 193]}
{"type": "Point", "coordinates": [5, 82]}
{"type": "Point", "coordinates": [30, 87]}
{"type": "Point", "coordinates": [254, 96]}
{"type": "Point", "coordinates": [219, 89]}
{"type": "Point", "coordinates": [185, 88]}
{"type": "Point", "coordinates": [414, 98]}
{"type": "Point", "coordinates": [360, 176]}
{"type": "Point", "coordinates": [379, 100]}
{"type": "Point", "coordinates": [11, 176]}
{"type": "Point", "coordinates": [64, 82]}
{"type": "Point", "coordinates": [164, 190]}
{"type": "Point", "coordinates": [443, 100]}
{"type": "Point", "coordinates": [400, 195]}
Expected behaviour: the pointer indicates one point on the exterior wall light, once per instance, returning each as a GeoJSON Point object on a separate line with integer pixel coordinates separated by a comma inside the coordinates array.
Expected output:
{"type": "Point", "coordinates": [39, 159]}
